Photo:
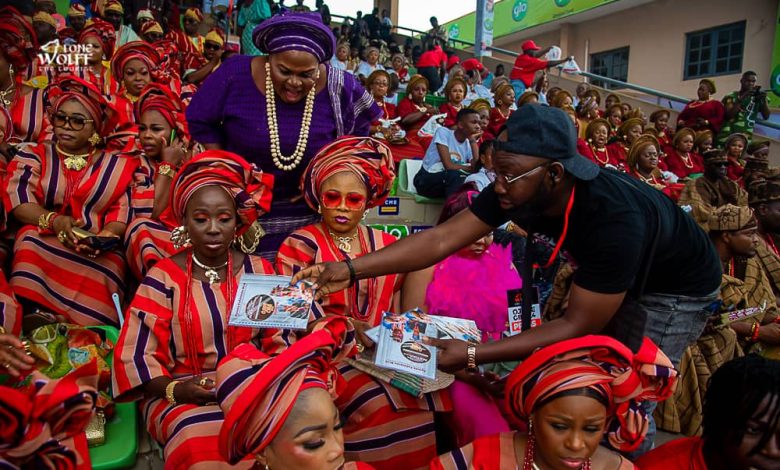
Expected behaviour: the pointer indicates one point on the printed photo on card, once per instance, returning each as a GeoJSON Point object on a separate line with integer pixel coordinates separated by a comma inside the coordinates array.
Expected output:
{"type": "Point", "coordinates": [271, 302]}
{"type": "Point", "coordinates": [400, 345]}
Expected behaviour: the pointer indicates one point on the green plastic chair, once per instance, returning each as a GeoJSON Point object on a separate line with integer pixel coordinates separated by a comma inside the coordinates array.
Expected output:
{"type": "Point", "coordinates": [121, 446]}
{"type": "Point", "coordinates": [406, 171]}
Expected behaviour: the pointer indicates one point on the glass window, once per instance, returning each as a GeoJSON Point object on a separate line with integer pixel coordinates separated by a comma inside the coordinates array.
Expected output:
{"type": "Point", "coordinates": [714, 51]}
{"type": "Point", "coordinates": [611, 64]}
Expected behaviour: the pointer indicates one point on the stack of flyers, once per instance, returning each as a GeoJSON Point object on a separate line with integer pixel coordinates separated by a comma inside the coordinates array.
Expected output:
{"type": "Point", "coordinates": [400, 346]}
{"type": "Point", "coordinates": [271, 302]}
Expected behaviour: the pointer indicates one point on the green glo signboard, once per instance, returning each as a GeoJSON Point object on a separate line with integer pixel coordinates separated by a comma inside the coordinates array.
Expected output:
{"type": "Point", "coordinates": [510, 16]}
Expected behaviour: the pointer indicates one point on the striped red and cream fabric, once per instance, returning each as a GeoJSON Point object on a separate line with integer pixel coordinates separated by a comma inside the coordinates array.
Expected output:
{"type": "Point", "coordinates": [43, 269]}
{"type": "Point", "coordinates": [485, 453]}
{"type": "Point", "coordinates": [368, 298]}
{"type": "Point", "coordinates": [152, 344]}
{"type": "Point", "coordinates": [147, 240]}
{"type": "Point", "coordinates": [10, 311]}
{"type": "Point", "coordinates": [29, 116]}
{"type": "Point", "coordinates": [384, 426]}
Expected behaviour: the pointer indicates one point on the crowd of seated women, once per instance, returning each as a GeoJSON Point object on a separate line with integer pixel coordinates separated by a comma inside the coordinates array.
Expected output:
{"type": "Point", "coordinates": [139, 189]}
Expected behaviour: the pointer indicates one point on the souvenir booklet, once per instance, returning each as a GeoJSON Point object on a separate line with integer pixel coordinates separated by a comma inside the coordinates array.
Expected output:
{"type": "Point", "coordinates": [264, 301]}
{"type": "Point", "coordinates": [400, 344]}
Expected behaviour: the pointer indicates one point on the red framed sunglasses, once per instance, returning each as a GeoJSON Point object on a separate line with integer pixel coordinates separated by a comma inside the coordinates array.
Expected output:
{"type": "Point", "coordinates": [352, 201]}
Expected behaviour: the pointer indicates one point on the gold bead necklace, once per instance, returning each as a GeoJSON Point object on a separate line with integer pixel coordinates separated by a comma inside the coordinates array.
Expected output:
{"type": "Point", "coordinates": [283, 162]}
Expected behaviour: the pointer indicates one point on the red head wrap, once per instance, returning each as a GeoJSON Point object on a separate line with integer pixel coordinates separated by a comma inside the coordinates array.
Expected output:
{"type": "Point", "coordinates": [18, 42]}
{"type": "Point", "coordinates": [70, 87]}
{"type": "Point", "coordinates": [134, 50]}
{"type": "Point", "coordinates": [104, 32]}
{"type": "Point", "coordinates": [603, 365]}
{"type": "Point", "coordinates": [257, 392]}
{"type": "Point", "coordinates": [160, 98]}
{"type": "Point", "coordinates": [367, 158]}
{"type": "Point", "coordinates": [250, 187]}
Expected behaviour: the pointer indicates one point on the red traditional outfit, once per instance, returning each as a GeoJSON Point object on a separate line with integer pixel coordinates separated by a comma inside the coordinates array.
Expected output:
{"type": "Point", "coordinates": [679, 454]}
{"type": "Point", "coordinates": [138, 50]}
{"type": "Point", "coordinates": [28, 112]}
{"type": "Point", "coordinates": [497, 120]}
{"type": "Point", "coordinates": [104, 80]}
{"type": "Point", "coordinates": [177, 326]}
{"type": "Point", "coordinates": [452, 114]}
{"type": "Point", "coordinates": [258, 392]}
{"type": "Point", "coordinates": [44, 270]}
{"type": "Point", "coordinates": [410, 149]}
{"type": "Point", "coordinates": [148, 240]}
{"type": "Point", "coordinates": [683, 165]}
{"type": "Point", "coordinates": [618, 151]}
{"type": "Point", "coordinates": [368, 299]}
{"type": "Point", "coordinates": [602, 157]}
{"type": "Point", "coordinates": [385, 426]}
{"type": "Point", "coordinates": [406, 107]}
{"type": "Point", "coordinates": [710, 110]}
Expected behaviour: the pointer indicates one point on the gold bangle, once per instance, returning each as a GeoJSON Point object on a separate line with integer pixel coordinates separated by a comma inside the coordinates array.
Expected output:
{"type": "Point", "coordinates": [2, 330]}
{"type": "Point", "coordinates": [169, 390]}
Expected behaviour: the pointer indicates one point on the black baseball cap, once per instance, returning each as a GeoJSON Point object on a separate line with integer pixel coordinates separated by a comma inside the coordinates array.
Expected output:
{"type": "Point", "coordinates": [546, 132]}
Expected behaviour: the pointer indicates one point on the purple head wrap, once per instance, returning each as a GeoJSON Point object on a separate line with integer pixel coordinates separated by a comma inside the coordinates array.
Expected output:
{"type": "Point", "coordinates": [295, 32]}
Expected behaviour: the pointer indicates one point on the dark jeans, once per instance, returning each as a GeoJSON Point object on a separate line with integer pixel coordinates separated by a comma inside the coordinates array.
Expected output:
{"type": "Point", "coordinates": [432, 75]}
{"type": "Point", "coordinates": [672, 321]}
{"type": "Point", "coordinates": [438, 185]}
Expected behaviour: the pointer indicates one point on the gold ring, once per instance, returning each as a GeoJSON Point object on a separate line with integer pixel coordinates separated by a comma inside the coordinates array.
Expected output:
{"type": "Point", "coordinates": [360, 348]}
{"type": "Point", "coordinates": [62, 236]}
{"type": "Point", "coordinates": [203, 382]}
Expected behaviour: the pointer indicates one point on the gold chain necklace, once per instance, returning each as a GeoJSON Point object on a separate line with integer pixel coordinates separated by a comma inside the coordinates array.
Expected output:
{"type": "Point", "coordinates": [4, 100]}
{"type": "Point", "coordinates": [282, 162]}
{"type": "Point", "coordinates": [74, 161]}
{"type": "Point", "coordinates": [211, 272]}
{"type": "Point", "coordinates": [344, 243]}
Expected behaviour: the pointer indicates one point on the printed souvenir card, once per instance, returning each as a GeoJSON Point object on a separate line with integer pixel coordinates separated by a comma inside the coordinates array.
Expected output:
{"type": "Point", "coordinates": [400, 345]}
{"type": "Point", "coordinates": [271, 302]}
{"type": "Point", "coordinates": [515, 307]}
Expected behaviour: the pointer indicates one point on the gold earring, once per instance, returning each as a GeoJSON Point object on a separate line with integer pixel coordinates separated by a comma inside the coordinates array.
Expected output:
{"type": "Point", "coordinates": [319, 210]}
{"type": "Point", "coordinates": [95, 139]}
{"type": "Point", "coordinates": [180, 237]}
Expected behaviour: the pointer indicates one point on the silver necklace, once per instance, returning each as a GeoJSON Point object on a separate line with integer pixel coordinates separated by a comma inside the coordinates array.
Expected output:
{"type": "Point", "coordinates": [4, 101]}
{"type": "Point", "coordinates": [210, 271]}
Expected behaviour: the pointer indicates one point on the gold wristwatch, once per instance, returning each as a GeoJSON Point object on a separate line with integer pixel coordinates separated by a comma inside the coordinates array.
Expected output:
{"type": "Point", "coordinates": [471, 358]}
{"type": "Point", "coordinates": [166, 169]}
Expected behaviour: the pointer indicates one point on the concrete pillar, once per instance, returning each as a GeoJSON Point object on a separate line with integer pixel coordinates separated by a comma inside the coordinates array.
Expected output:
{"type": "Point", "coordinates": [391, 6]}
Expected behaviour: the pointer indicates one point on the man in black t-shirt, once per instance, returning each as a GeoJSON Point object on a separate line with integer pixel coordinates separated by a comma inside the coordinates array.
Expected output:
{"type": "Point", "coordinates": [644, 268]}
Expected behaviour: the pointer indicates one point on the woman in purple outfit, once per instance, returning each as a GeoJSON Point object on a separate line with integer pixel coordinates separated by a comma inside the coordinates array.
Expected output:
{"type": "Point", "coordinates": [311, 104]}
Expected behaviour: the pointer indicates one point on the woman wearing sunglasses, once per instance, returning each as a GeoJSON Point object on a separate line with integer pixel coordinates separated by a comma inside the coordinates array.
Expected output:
{"type": "Point", "coordinates": [343, 180]}
{"type": "Point", "coordinates": [72, 199]}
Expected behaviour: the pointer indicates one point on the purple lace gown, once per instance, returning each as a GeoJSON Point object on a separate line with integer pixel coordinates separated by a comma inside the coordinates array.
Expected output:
{"type": "Point", "coordinates": [230, 110]}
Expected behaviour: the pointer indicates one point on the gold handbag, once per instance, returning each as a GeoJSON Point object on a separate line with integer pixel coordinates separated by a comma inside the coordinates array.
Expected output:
{"type": "Point", "coordinates": [96, 429]}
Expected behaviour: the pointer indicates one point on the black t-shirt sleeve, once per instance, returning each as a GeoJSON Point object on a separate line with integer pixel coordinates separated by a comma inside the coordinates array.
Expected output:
{"type": "Point", "coordinates": [610, 255]}
{"type": "Point", "coordinates": [487, 208]}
